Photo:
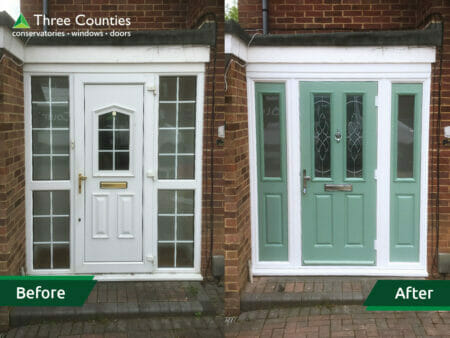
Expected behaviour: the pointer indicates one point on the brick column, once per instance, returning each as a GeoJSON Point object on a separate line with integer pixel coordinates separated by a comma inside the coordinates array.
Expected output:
{"type": "Point", "coordinates": [237, 186]}
{"type": "Point", "coordinates": [12, 171]}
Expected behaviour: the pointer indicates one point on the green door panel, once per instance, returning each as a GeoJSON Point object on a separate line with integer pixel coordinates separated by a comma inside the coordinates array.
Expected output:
{"type": "Point", "coordinates": [405, 172]}
{"type": "Point", "coordinates": [338, 227]}
{"type": "Point", "coordinates": [272, 189]}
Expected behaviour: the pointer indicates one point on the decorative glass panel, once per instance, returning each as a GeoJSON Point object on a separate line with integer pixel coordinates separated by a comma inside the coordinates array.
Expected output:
{"type": "Point", "coordinates": [405, 136]}
{"type": "Point", "coordinates": [175, 228]}
{"type": "Point", "coordinates": [271, 134]}
{"type": "Point", "coordinates": [50, 128]}
{"type": "Point", "coordinates": [114, 141]}
{"type": "Point", "coordinates": [322, 145]}
{"type": "Point", "coordinates": [51, 229]}
{"type": "Point", "coordinates": [354, 136]}
{"type": "Point", "coordinates": [176, 143]}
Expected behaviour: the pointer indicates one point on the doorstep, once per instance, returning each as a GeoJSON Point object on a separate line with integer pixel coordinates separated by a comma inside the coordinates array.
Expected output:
{"type": "Point", "coordinates": [131, 299]}
{"type": "Point", "coordinates": [269, 292]}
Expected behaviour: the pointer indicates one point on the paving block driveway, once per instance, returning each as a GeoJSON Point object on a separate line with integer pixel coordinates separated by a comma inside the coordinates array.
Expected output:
{"type": "Point", "coordinates": [338, 321]}
{"type": "Point", "coordinates": [316, 321]}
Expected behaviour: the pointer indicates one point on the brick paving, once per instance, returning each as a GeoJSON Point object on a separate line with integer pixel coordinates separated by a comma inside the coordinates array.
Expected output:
{"type": "Point", "coordinates": [338, 321]}
{"type": "Point", "coordinates": [267, 292]}
{"type": "Point", "coordinates": [132, 299]}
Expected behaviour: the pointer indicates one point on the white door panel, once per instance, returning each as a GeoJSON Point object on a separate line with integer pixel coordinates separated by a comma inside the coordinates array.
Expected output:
{"type": "Point", "coordinates": [113, 169]}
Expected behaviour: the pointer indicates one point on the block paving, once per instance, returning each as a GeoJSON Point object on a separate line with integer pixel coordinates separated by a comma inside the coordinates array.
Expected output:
{"type": "Point", "coordinates": [338, 321]}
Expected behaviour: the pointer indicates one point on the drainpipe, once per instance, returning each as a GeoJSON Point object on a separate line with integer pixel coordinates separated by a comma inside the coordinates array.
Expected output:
{"type": "Point", "coordinates": [45, 12]}
{"type": "Point", "coordinates": [265, 17]}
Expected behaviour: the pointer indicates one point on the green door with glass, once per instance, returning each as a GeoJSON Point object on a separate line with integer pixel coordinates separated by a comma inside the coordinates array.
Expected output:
{"type": "Point", "coordinates": [272, 189]}
{"type": "Point", "coordinates": [338, 124]}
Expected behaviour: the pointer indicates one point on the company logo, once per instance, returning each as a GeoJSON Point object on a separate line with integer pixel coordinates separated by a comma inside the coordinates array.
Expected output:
{"type": "Point", "coordinates": [21, 22]}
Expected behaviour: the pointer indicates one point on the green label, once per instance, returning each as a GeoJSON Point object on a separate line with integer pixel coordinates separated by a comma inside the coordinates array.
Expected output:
{"type": "Point", "coordinates": [45, 290]}
{"type": "Point", "coordinates": [409, 295]}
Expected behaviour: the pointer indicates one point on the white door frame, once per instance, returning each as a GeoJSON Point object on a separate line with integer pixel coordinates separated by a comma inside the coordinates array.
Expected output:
{"type": "Point", "coordinates": [285, 71]}
{"type": "Point", "coordinates": [148, 75]}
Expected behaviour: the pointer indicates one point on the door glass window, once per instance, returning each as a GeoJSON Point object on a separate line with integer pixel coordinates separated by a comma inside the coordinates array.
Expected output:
{"type": "Point", "coordinates": [272, 134]}
{"type": "Point", "coordinates": [322, 145]}
{"type": "Point", "coordinates": [113, 141]}
{"type": "Point", "coordinates": [50, 128]}
{"type": "Point", "coordinates": [51, 229]}
{"type": "Point", "coordinates": [405, 136]}
{"type": "Point", "coordinates": [354, 135]}
{"type": "Point", "coordinates": [175, 228]}
{"type": "Point", "coordinates": [176, 142]}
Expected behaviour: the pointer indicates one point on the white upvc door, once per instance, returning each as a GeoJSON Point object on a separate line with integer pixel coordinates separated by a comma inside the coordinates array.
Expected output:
{"type": "Point", "coordinates": [112, 231]}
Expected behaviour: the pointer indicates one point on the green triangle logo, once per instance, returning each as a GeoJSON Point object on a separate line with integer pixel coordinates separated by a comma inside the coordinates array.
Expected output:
{"type": "Point", "coordinates": [21, 22]}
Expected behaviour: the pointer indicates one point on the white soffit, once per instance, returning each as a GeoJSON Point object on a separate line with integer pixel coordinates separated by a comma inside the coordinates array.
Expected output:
{"type": "Point", "coordinates": [116, 54]}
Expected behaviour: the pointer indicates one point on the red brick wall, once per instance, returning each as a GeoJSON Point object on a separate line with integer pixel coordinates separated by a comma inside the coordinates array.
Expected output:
{"type": "Point", "coordinates": [12, 171]}
{"type": "Point", "coordinates": [199, 12]}
{"type": "Point", "coordinates": [432, 10]}
{"type": "Point", "coordinates": [237, 186]}
{"type": "Point", "coordinates": [293, 16]}
{"type": "Point", "coordinates": [144, 14]}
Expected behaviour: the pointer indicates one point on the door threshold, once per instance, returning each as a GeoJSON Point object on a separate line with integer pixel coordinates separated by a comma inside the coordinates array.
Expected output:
{"type": "Point", "coordinates": [124, 277]}
{"type": "Point", "coordinates": [341, 271]}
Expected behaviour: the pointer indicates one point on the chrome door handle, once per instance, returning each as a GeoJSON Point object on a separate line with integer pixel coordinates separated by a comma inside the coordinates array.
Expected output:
{"type": "Point", "coordinates": [81, 178]}
{"type": "Point", "coordinates": [305, 181]}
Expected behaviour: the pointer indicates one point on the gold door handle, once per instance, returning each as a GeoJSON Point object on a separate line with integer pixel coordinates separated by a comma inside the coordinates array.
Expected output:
{"type": "Point", "coordinates": [305, 181]}
{"type": "Point", "coordinates": [81, 178]}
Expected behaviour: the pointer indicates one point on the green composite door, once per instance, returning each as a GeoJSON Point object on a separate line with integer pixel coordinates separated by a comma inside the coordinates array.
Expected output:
{"type": "Point", "coordinates": [272, 190]}
{"type": "Point", "coordinates": [338, 125]}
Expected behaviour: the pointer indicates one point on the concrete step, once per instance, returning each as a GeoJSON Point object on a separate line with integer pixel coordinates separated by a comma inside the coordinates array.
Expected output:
{"type": "Point", "coordinates": [20, 316]}
{"type": "Point", "coordinates": [269, 292]}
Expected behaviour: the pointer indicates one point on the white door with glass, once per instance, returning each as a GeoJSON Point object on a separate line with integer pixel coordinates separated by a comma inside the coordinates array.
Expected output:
{"type": "Point", "coordinates": [112, 180]}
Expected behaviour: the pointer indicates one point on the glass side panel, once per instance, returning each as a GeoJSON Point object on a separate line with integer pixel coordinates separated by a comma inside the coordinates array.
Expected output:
{"type": "Point", "coordinates": [322, 128]}
{"type": "Point", "coordinates": [354, 135]}
{"type": "Point", "coordinates": [176, 140]}
{"type": "Point", "coordinates": [405, 136]}
{"type": "Point", "coordinates": [51, 229]}
{"type": "Point", "coordinates": [114, 141]}
{"type": "Point", "coordinates": [50, 128]}
{"type": "Point", "coordinates": [271, 134]}
{"type": "Point", "coordinates": [175, 228]}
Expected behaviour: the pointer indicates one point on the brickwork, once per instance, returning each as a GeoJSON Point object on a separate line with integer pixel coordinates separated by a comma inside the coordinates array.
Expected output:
{"type": "Point", "coordinates": [436, 11]}
{"type": "Point", "coordinates": [12, 170]}
{"type": "Point", "coordinates": [292, 16]}
{"type": "Point", "coordinates": [237, 185]}
{"type": "Point", "coordinates": [144, 14]}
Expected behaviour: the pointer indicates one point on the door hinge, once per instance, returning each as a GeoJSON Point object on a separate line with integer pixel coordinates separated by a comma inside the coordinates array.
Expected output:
{"type": "Point", "coordinates": [150, 259]}
{"type": "Point", "coordinates": [375, 244]}
{"type": "Point", "coordinates": [377, 101]}
{"type": "Point", "coordinates": [150, 87]}
{"type": "Point", "coordinates": [375, 174]}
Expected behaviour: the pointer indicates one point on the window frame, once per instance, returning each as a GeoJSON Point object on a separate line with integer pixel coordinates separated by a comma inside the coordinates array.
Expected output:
{"type": "Point", "coordinates": [45, 185]}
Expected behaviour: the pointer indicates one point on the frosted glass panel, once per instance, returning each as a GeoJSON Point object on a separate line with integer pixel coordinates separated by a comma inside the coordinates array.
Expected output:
{"type": "Point", "coordinates": [405, 136]}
